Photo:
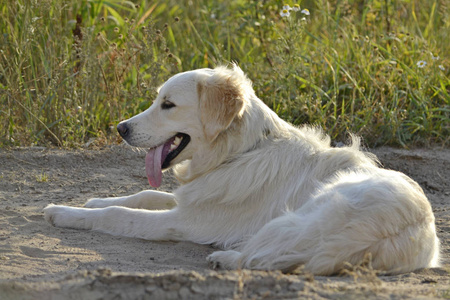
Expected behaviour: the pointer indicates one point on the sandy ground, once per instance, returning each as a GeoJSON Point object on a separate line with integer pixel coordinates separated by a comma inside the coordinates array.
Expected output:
{"type": "Point", "coordinates": [38, 261]}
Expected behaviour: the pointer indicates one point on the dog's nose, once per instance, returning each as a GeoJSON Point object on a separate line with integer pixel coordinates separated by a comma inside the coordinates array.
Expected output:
{"type": "Point", "coordinates": [123, 129]}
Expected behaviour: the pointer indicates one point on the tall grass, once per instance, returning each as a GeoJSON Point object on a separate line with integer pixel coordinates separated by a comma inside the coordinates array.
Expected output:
{"type": "Point", "coordinates": [70, 70]}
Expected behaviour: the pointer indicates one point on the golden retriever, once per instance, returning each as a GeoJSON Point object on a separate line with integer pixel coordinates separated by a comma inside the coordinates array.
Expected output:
{"type": "Point", "coordinates": [272, 195]}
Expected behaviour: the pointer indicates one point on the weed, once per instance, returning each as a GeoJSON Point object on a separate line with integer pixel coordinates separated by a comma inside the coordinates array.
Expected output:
{"type": "Point", "coordinates": [70, 70]}
{"type": "Point", "coordinates": [43, 177]}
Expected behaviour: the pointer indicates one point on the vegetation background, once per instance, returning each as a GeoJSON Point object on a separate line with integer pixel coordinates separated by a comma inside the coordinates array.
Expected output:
{"type": "Point", "coordinates": [70, 70]}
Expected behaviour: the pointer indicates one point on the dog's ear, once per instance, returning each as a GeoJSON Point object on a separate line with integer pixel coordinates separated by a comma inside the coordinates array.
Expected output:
{"type": "Point", "coordinates": [221, 101]}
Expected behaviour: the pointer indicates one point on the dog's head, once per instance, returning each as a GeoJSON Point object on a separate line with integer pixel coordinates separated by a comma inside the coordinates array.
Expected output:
{"type": "Point", "coordinates": [190, 112]}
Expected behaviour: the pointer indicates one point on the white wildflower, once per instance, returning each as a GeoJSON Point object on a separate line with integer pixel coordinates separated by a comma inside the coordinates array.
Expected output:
{"type": "Point", "coordinates": [305, 11]}
{"type": "Point", "coordinates": [421, 63]}
{"type": "Point", "coordinates": [285, 13]}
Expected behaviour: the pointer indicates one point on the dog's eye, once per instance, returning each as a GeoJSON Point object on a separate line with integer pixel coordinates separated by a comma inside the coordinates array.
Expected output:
{"type": "Point", "coordinates": [167, 105]}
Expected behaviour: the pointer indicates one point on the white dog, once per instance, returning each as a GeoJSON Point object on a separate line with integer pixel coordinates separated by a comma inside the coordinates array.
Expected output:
{"type": "Point", "coordinates": [274, 195]}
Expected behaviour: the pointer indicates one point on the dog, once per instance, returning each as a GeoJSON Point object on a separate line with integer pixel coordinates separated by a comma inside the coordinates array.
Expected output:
{"type": "Point", "coordinates": [271, 195]}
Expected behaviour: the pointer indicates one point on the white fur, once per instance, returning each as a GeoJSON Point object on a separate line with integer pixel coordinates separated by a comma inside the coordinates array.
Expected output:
{"type": "Point", "coordinates": [274, 195]}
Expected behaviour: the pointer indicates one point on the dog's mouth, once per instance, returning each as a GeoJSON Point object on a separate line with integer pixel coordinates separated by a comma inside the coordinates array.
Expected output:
{"type": "Point", "coordinates": [159, 157]}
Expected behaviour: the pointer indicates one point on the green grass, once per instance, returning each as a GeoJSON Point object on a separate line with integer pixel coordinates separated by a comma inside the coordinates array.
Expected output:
{"type": "Point", "coordinates": [43, 177]}
{"type": "Point", "coordinates": [71, 70]}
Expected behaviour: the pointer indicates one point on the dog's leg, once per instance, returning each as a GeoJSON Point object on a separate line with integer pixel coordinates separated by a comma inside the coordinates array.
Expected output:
{"type": "Point", "coordinates": [333, 230]}
{"type": "Point", "coordinates": [115, 220]}
{"type": "Point", "coordinates": [228, 260]}
{"type": "Point", "coordinates": [154, 200]}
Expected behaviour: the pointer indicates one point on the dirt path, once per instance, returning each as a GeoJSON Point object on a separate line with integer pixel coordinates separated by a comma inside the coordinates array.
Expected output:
{"type": "Point", "coordinates": [37, 260]}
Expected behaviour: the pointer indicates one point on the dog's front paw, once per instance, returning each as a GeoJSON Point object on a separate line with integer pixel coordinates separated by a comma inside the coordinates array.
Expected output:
{"type": "Point", "coordinates": [228, 260]}
{"type": "Point", "coordinates": [50, 213]}
{"type": "Point", "coordinates": [56, 215]}
{"type": "Point", "coordinates": [64, 216]}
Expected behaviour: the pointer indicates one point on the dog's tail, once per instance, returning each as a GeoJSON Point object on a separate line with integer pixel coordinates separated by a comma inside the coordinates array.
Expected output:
{"type": "Point", "coordinates": [387, 218]}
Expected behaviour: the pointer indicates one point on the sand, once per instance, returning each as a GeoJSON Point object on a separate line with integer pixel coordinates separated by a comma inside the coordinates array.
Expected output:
{"type": "Point", "coordinates": [38, 261]}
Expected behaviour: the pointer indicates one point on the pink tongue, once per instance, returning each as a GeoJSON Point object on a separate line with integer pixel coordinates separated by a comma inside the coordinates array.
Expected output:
{"type": "Point", "coordinates": [153, 162]}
